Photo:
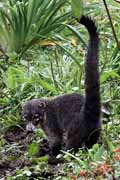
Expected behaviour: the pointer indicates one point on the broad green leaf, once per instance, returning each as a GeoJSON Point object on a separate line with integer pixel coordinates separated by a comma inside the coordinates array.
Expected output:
{"type": "Point", "coordinates": [99, 153]}
{"type": "Point", "coordinates": [77, 8]}
{"type": "Point", "coordinates": [14, 77]}
{"type": "Point", "coordinates": [39, 81]}
{"type": "Point", "coordinates": [4, 101]}
{"type": "Point", "coordinates": [33, 148]}
{"type": "Point", "coordinates": [47, 86]}
{"type": "Point", "coordinates": [110, 145]}
{"type": "Point", "coordinates": [108, 74]}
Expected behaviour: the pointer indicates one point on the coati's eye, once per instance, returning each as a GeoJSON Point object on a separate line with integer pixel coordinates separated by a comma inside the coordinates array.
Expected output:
{"type": "Point", "coordinates": [24, 117]}
{"type": "Point", "coordinates": [36, 117]}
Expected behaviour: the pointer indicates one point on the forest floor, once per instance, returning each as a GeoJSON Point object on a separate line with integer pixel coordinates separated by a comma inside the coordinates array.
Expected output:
{"type": "Point", "coordinates": [22, 156]}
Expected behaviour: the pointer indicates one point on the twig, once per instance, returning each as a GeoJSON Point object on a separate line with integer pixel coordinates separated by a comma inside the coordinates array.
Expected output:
{"type": "Point", "coordinates": [111, 23]}
{"type": "Point", "coordinates": [53, 77]}
{"type": "Point", "coordinates": [56, 60]}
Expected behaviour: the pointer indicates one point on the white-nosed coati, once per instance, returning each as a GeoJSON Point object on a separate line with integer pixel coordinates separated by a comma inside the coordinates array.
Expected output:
{"type": "Point", "coordinates": [75, 116]}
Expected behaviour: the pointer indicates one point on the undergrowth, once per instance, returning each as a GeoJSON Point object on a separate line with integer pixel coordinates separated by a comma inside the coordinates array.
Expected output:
{"type": "Point", "coordinates": [49, 70]}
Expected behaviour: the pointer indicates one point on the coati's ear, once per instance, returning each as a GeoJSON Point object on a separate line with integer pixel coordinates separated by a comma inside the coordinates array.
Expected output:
{"type": "Point", "coordinates": [42, 104]}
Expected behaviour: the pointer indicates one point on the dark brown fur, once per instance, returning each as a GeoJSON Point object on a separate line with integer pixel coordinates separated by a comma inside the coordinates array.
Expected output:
{"type": "Point", "coordinates": [72, 115]}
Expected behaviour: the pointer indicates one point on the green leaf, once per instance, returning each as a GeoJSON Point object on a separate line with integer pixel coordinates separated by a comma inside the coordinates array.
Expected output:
{"type": "Point", "coordinates": [109, 74]}
{"type": "Point", "coordinates": [67, 52]}
{"type": "Point", "coordinates": [98, 154]}
{"type": "Point", "coordinates": [77, 8]}
{"type": "Point", "coordinates": [14, 77]}
{"type": "Point", "coordinates": [77, 33]}
{"type": "Point", "coordinates": [47, 86]}
{"type": "Point", "coordinates": [33, 149]}
{"type": "Point", "coordinates": [4, 101]}
{"type": "Point", "coordinates": [115, 53]}
{"type": "Point", "coordinates": [110, 145]}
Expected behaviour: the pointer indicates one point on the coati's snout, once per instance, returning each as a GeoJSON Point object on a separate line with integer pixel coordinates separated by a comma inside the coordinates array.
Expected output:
{"type": "Point", "coordinates": [30, 127]}
{"type": "Point", "coordinates": [33, 113]}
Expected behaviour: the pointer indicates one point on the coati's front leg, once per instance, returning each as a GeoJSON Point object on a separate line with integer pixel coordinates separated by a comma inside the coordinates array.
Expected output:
{"type": "Point", "coordinates": [55, 144]}
{"type": "Point", "coordinates": [53, 130]}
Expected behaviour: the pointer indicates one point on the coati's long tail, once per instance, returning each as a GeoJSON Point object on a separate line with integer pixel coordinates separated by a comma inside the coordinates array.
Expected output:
{"type": "Point", "coordinates": [92, 86]}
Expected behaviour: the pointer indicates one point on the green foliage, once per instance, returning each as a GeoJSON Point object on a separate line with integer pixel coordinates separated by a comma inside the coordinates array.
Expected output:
{"type": "Point", "coordinates": [26, 23]}
{"type": "Point", "coordinates": [56, 66]}
{"type": "Point", "coordinates": [96, 153]}
{"type": "Point", "coordinates": [77, 8]}
{"type": "Point", "coordinates": [15, 76]}
{"type": "Point", "coordinates": [33, 149]}
{"type": "Point", "coordinates": [109, 74]}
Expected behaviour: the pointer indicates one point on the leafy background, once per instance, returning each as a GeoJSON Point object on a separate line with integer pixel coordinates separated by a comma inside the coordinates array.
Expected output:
{"type": "Point", "coordinates": [41, 55]}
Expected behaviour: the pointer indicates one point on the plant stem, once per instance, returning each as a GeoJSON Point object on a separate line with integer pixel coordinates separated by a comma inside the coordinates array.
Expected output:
{"type": "Point", "coordinates": [53, 77]}
{"type": "Point", "coordinates": [111, 23]}
{"type": "Point", "coordinates": [56, 60]}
